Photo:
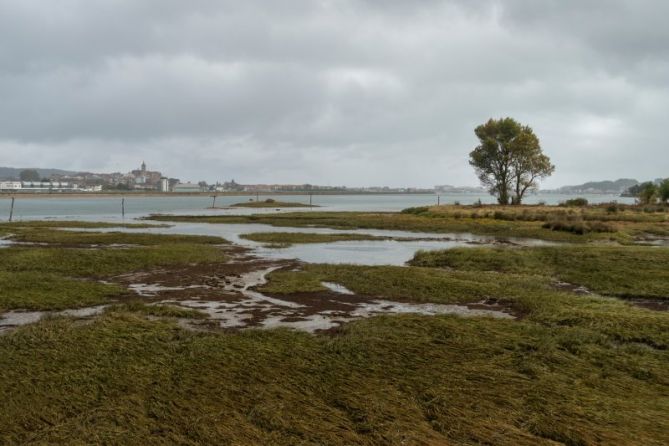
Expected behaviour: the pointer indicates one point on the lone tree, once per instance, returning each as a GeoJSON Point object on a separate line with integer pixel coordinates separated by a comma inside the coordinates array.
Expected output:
{"type": "Point", "coordinates": [509, 160]}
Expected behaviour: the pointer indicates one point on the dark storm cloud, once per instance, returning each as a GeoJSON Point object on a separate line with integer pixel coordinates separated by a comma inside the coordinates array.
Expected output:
{"type": "Point", "coordinates": [331, 92]}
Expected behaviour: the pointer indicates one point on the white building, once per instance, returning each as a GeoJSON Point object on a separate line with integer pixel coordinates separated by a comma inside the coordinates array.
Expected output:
{"type": "Point", "coordinates": [10, 185]}
{"type": "Point", "coordinates": [187, 187]}
{"type": "Point", "coordinates": [46, 185]}
{"type": "Point", "coordinates": [164, 185]}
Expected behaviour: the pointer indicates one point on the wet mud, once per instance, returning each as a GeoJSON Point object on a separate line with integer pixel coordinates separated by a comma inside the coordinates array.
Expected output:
{"type": "Point", "coordinates": [228, 294]}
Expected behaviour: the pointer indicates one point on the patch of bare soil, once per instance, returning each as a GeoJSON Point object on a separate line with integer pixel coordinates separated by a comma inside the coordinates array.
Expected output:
{"type": "Point", "coordinates": [649, 303]}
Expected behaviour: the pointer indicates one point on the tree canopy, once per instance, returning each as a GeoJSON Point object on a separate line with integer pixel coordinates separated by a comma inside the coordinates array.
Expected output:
{"type": "Point", "coordinates": [648, 193]}
{"type": "Point", "coordinates": [509, 160]}
{"type": "Point", "coordinates": [664, 190]}
{"type": "Point", "coordinates": [29, 175]}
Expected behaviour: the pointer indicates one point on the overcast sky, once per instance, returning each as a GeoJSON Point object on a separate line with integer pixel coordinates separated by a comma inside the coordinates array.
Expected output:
{"type": "Point", "coordinates": [353, 92]}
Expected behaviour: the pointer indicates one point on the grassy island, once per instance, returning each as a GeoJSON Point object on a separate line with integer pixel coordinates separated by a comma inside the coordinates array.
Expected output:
{"type": "Point", "coordinates": [283, 239]}
{"type": "Point", "coordinates": [271, 203]}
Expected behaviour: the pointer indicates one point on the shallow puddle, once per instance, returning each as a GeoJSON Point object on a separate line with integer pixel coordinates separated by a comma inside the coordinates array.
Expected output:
{"type": "Point", "coordinates": [13, 319]}
{"type": "Point", "coordinates": [148, 290]}
{"type": "Point", "coordinates": [337, 288]}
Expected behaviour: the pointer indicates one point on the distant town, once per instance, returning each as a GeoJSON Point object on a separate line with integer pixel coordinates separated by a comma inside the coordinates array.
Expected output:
{"type": "Point", "coordinates": [143, 179]}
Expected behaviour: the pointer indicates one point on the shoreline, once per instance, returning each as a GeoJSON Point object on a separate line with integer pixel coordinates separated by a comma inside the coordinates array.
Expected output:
{"type": "Point", "coordinates": [47, 195]}
{"type": "Point", "coordinates": [193, 194]}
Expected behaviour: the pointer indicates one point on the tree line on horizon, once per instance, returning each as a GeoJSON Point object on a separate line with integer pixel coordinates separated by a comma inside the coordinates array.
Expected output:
{"type": "Point", "coordinates": [650, 192]}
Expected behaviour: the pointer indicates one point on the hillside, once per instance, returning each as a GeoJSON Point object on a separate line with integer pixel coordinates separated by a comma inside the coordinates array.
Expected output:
{"type": "Point", "coordinates": [13, 172]}
{"type": "Point", "coordinates": [600, 187]}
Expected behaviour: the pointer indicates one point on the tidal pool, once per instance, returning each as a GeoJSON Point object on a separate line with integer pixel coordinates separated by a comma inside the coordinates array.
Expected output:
{"type": "Point", "coordinates": [361, 252]}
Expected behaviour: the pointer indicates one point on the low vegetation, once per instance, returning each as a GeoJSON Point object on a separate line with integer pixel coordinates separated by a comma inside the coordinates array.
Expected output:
{"type": "Point", "coordinates": [579, 227]}
{"type": "Point", "coordinates": [161, 311]}
{"type": "Point", "coordinates": [403, 284]}
{"type": "Point", "coordinates": [75, 224]}
{"type": "Point", "coordinates": [575, 202]}
{"type": "Point", "coordinates": [284, 239]}
{"type": "Point", "coordinates": [52, 276]}
{"type": "Point", "coordinates": [611, 270]}
{"type": "Point", "coordinates": [612, 222]}
{"type": "Point", "coordinates": [108, 238]}
{"type": "Point", "coordinates": [36, 290]}
{"type": "Point", "coordinates": [271, 203]}
{"type": "Point", "coordinates": [387, 380]}
{"type": "Point", "coordinates": [572, 369]}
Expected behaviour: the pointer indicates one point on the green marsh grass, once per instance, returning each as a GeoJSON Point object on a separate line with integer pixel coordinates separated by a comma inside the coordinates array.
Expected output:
{"type": "Point", "coordinates": [283, 239]}
{"type": "Point", "coordinates": [54, 277]}
{"type": "Point", "coordinates": [388, 380]}
{"type": "Point", "coordinates": [612, 270]}
{"type": "Point", "coordinates": [573, 369]}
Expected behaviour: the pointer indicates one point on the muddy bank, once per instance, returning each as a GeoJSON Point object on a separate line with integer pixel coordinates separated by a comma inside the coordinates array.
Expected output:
{"type": "Point", "coordinates": [228, 294]}
{"type": "Point", "coordinates": [655, 304]}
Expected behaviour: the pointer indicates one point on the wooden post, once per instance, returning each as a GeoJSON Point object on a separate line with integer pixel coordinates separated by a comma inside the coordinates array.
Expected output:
{"type": "Point", "coordinates": [11, 210]}
{"type": "Point", "coordinates": [123, 207]}
{"type": "Point", "coordinates": [438, 200]}
{"type": "Point", "coordinates": [213, 205]}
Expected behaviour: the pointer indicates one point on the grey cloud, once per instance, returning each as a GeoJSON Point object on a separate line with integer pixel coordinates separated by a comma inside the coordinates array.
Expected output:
{"type": "Point", "coordinates": [339, 92]}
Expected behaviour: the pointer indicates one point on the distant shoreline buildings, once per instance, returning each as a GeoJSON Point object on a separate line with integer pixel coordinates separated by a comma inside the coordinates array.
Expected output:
{"type": "Point", "coordinates": [145, 180]}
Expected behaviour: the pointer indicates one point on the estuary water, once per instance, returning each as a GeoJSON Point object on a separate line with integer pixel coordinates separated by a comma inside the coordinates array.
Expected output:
{"type": "Point", "coordinates": [361, 252]}
{"type": "Point", "coordinates": [98, 207]}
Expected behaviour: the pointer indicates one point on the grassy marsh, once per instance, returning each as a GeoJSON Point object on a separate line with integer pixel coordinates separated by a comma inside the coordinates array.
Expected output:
{"type": "Point", "coordinates": [75, 224]}
{"type": "Point", "coordinates": [574, 369]}
{"type": "Point", "coordinates": [270, 203]}
{"type": "Point", "coordinates": [55, 277]}
{"type": "Point", "coordinates": [108, 238]}
{"type": "Point", "coordinates": [532, 295]}
{"type": "Point", "coordinates": [48, 291]}
{"type": "Point", "coordinates": [388, 380]}
{"type": "Point", "coordinates": [554, 223]}
{"type": "Point", "coordinates": [612, 270]}
{"type": "Point", "coordinates": [283, 239]}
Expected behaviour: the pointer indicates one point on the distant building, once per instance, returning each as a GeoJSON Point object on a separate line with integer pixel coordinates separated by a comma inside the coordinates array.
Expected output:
{"type": "Point", "coordinates": [47, 185]}
{"type": "Point", "coordinates": [164, 185]}
{"type": "Point", "coordinates": [187, 187]}
{"type": "Point", "coordinates": [10, 185]}
{"type": "Point", "coordinates": [144, 179]}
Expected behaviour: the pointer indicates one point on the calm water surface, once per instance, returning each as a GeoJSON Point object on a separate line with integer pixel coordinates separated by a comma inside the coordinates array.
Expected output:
{"type": "Point", "coordinates": [102, 207]}
{"type": "Point", "coordinates": [361, 252]}
{"type": "Point", "coordinates": [386, 252]}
